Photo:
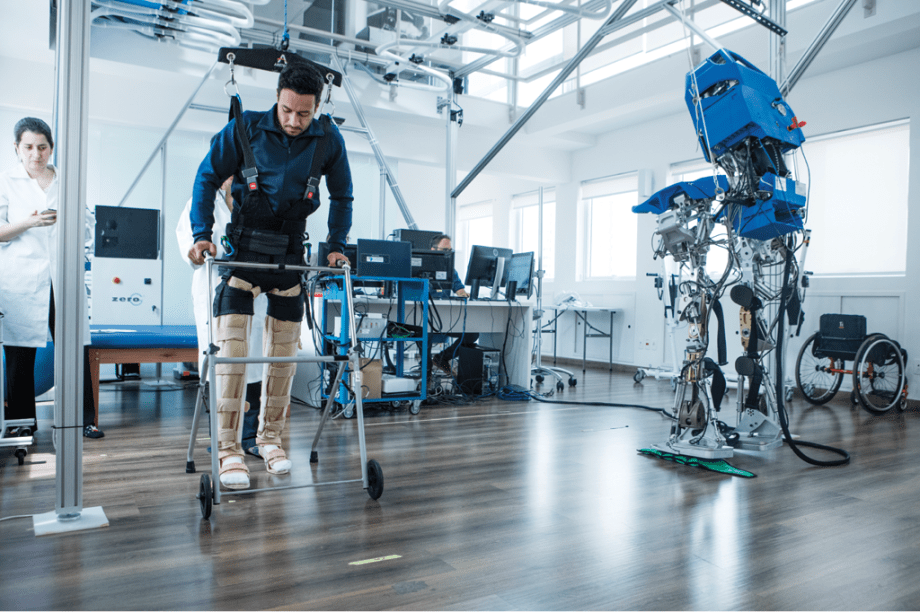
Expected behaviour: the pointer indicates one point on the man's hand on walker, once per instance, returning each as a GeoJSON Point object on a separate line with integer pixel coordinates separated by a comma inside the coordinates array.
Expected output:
{"type": "Point", "coordinates": [337, 260]}
{"type": "Point", "coordinates": [196, 253]}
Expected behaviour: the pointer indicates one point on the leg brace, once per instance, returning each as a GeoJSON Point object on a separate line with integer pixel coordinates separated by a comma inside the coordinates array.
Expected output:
{"type": "Point", "coordinates": [232, 338]}
{"type": "Point", "coordinates": [280, 339]}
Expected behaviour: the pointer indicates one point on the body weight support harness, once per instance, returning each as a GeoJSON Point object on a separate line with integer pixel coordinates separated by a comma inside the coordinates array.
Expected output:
{"type": "Point", "coordinates": [255, 229]}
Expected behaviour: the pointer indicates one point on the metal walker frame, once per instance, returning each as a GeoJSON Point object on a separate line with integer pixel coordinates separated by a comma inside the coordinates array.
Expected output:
{"type": "Point", "coordinates": [209, 489]}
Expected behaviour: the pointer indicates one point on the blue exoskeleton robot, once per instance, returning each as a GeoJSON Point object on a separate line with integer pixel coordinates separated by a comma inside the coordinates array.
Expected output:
{"type": "Point", "coordinates": [745, 129]}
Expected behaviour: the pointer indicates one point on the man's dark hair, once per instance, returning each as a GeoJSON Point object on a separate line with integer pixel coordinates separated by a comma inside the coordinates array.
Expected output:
{"type": "Point", "coordinates": [36, 126]}
{"type": "Point", "coordinates": [302, 79]}
{"type": "Point", "coordinates": [436, 240]}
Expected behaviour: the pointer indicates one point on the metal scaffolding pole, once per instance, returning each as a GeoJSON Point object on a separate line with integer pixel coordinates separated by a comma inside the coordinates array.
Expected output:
{"type": "Point", "coordinates": [692, 26]}
{"type": "Point", "coordinates": [450, 204]}
{"type": "Point", "coordinates": [378, 153]}
{"type": "Point", "coordinates": [816, 45]}
{"type": "Point", "coordinates": [169, 131]}
{"type": "Point", "coordinates": [72, 95]}
{"type": "Point", "coordinates": [543, 97]}
{"type": "Point", "coordinates": [777, 42]}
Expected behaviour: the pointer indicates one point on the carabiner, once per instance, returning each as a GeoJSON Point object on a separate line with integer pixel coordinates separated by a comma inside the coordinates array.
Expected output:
{"type": "Point", "coordinates": [225, 242]}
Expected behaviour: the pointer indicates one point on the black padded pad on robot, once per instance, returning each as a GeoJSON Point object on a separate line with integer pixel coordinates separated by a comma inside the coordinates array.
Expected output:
{"type": "Point", "coordinates": [745, 366]}
{"type": "Point", "coordinates": [744, 297]}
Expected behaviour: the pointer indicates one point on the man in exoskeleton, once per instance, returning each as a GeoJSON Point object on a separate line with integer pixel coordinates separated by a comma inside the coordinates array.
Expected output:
{"type": "Point", "coordinates": [276, 158]}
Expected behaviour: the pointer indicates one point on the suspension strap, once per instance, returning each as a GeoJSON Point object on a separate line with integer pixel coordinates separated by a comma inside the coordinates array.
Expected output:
{"type": "Point", "coordinates": [319, 155]}
{"type": "Point", "coordinates": [249, 171]}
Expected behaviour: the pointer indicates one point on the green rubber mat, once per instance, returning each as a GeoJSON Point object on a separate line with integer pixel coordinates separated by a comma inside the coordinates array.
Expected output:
{"type": "Point", "coordinates": [715, 465]}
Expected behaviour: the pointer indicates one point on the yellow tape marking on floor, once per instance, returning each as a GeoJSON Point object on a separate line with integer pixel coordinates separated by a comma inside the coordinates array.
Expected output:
{"type": "Point", "coordinates": [376, 560]}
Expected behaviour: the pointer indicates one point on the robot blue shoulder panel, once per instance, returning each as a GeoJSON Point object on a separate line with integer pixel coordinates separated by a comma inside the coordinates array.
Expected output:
{"type": "Point", "coordinates": [700, 189]}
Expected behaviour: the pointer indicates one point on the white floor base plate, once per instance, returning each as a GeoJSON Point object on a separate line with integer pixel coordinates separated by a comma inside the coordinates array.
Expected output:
{"type": "Point", "coordinates": [48, 523]}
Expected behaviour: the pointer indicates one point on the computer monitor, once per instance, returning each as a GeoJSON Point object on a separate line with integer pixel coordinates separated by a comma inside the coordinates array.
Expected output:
{"type": "Point", "coordinates": [420, 239]}
{"type": "Point", "coordinates": [385, 258]}
{"type": "Point", "coordinates": [486, 267]}
{"type": "Point", "coordinates": [351, 252]}
{"type": "Point", "coordinates": [131, 233]}
{"type": "Point", "coordinates": [436, 266]}
{"type": "Point", "coordinates": [519, 275]}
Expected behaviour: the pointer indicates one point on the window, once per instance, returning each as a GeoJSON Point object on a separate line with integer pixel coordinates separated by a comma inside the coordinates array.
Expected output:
{"type": "Point", "coordinates": [525, 212]}
{"type": "Point", "coordinates": [609, 227]}
{"type": "Point", "coordinates": [474, 226]}
{"type": "Point", "coordinates": [857, 208]}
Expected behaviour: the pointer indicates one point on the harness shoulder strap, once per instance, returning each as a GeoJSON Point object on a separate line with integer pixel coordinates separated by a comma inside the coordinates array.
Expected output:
{"type": "Point", "coordinates": [319, 158]}
{"type": "Point", "coordinates": [249, 171]}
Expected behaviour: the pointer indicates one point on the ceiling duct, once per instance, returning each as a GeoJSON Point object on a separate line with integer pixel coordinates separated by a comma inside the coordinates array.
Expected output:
{"type": "Point", "coordinates": [198, 24]}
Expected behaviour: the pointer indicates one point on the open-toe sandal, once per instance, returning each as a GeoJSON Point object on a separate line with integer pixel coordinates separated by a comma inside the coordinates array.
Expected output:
{"type": "Point", "coordinates": [234, 467]}
{"type": "Point", "coordinates": [272, 458]}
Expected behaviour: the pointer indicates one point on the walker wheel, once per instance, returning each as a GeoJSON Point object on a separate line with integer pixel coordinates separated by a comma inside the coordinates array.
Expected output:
{"type": "Point", "coordinates": [205, 494]}
{"type": "Point", "coordinates": [374, 479]}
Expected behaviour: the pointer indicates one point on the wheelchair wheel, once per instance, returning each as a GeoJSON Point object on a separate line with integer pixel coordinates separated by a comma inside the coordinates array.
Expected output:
{"type": "Point", "coordinates": [878, 374]}
{"type": "Point", "coordinates": [816, 383]}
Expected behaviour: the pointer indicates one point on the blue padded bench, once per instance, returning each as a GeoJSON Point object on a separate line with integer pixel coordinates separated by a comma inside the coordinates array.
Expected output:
{"type": "Point", "coordinates": [139, 344]}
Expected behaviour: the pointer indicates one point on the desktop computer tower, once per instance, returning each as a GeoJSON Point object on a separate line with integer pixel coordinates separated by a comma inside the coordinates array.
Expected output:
{"type": "Point", "coordinates": [478, 369]}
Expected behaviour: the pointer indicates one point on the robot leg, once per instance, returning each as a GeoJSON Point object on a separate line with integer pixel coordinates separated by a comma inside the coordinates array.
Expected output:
{"type": "Point", "coordinates": [281, 339]}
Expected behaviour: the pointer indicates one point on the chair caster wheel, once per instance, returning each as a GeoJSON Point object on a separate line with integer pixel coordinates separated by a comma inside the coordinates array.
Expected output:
{"type": "Point", "coordinates": [560, 386]}
{"type": "Point", "coordinates": [539, 378]}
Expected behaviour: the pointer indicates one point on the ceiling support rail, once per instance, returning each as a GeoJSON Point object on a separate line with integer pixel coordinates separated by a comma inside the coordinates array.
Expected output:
{"type": "Point", "coordinates": [543, 97]}
{"type": "Point", "coordinates": [372, 139]}
{"type": "Point", "coordinates": [169, 131]}
{"type": "Point", "coordinates": [816, 45]}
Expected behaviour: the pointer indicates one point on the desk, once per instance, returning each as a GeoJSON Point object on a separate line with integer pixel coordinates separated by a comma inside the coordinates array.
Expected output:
{"type": "Point", "coordinates": [139, 344]}
{"type": "Point", "coordinates": [582, 313]}
{"type": "Point", "coordinates": [487, 318]}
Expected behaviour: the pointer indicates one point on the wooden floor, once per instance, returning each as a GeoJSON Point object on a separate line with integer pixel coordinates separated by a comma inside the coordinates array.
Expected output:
{"type": "Point", "coordinates": [494, 506]}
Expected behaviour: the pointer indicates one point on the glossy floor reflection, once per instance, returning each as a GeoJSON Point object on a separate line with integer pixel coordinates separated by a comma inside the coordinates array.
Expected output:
{"type": "Point", "coordinates": [497, 505]}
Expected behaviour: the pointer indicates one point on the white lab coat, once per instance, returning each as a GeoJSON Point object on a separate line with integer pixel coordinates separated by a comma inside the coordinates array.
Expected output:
{"type": "Point", "coordinates": [201, 301]}
{"type": "Point", "coordinates": [28, 262]}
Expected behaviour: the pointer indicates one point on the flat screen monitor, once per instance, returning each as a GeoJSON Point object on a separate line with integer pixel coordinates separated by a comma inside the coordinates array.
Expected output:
{"type": "Point", "coordinates": [384, 258]}
{"type": "Point", "coordinates": [519, 271]}
{"type": "Point", "coordinates": [420, 239]}
{"type": "Point", "coordinates": [486, 268]}
{"type": "Point", "coordinates": [351, 252]}
{"type": "Point", "coordinates": [129, 233]}
{"type": "Point", "coordinates": [436, 266]}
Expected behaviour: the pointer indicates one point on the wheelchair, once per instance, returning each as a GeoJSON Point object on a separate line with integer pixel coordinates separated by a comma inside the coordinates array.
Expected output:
{"type": "Point", "coordinates": [879, 365]}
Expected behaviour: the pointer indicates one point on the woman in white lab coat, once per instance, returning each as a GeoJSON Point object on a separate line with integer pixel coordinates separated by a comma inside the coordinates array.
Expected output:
{"type": "Point", "coordinates": [201, 302]}
{"type": "Point", "coordinates": [28, 262]}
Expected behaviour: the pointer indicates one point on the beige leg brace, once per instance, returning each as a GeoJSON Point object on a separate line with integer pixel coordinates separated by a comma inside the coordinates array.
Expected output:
{"type": "Point", "coordinates": [232, 337]}
{"type": "Point", "coordinates": [281, 339]}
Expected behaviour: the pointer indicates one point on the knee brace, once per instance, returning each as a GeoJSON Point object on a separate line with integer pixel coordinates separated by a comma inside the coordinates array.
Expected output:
{"type": "Point", "coordinates": [281, 339]}
{"type": "Point", "coordinates": [232, 338]}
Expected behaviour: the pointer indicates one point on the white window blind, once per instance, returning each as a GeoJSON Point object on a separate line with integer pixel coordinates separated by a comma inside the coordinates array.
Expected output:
{"type": "Point", "coordinates": [609, 227]}
{"type": "Point", "coordinates": [857, 207]}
